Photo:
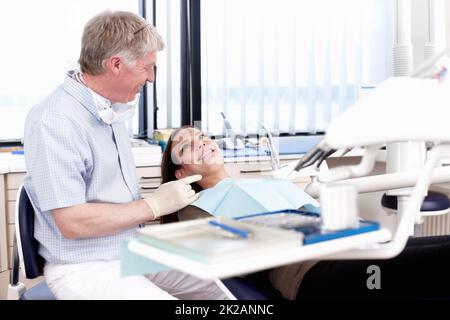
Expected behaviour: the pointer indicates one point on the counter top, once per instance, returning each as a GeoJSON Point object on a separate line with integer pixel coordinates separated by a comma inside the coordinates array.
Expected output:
{"type": "Point", "coordinates": [11, 163]}
{"type": "Point", "coordinates": [357, 152]}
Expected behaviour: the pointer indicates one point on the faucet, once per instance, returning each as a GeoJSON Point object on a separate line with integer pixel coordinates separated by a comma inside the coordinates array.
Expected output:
{"type": "Point", "coordinates": [274, 157]}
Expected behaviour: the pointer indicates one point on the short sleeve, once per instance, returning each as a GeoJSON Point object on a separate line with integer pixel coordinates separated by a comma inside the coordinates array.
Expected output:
{"type": "Point", "coordinates": [55, 154]}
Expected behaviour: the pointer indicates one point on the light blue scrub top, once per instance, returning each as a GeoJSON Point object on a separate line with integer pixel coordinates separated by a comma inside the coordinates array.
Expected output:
{"type": "Point", "coordinates": [73, 157]}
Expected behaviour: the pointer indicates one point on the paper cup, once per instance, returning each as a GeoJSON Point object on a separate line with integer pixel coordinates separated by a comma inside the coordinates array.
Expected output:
{"type": "Point", "coordinates": [339, 207]}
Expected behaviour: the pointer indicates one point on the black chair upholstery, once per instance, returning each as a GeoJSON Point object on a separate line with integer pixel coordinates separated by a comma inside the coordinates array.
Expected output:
{"type": "Point", "coordinates": [33, 262]}
{"type": "Point", "coordinates": [434, 201]}
{"type": "Point", "coordinates": [254, 286]}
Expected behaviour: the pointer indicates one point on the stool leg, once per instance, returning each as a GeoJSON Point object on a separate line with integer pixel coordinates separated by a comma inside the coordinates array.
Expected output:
{"type": "Point", "coordinates": [402, 203]}
{"type": "Point", "coordinates": [418, 230]}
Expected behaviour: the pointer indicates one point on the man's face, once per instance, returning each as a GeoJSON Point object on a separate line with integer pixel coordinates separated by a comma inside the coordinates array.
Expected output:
{"type": "Point", "coordinates": [195, 153]}
{"type": "Point", "coordinates": [132, 78]}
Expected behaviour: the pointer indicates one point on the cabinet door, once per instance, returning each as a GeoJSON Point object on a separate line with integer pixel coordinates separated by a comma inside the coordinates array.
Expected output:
{"type": "Point", "coordinates": [14, 180]}
{"type": "Point", "coordinates": [259, 169]}
{"type": "Point", "coordinates": [12, 183]}
{"type": "Point", "coordinates": [256, 169]}
{"type": "Point", "coordinates": [149, 179]}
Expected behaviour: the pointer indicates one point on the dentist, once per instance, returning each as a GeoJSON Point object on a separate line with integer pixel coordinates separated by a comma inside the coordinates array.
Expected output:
{"type": "Point", "coordinates": [81, 175]}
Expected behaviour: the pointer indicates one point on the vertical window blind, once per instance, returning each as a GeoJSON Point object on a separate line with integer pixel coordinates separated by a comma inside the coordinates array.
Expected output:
{"type": "Point", "coordinates": [168, 87]}
{"type": "Point", "coordinates": [291, 65]}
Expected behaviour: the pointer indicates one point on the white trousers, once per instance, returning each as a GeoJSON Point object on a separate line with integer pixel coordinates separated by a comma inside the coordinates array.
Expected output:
{"type": "Point", "coordinates": [101, 280]}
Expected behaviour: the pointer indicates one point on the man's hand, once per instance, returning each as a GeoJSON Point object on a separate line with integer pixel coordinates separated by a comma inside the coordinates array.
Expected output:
{"type": "Point", "coordinates": [172, 196]}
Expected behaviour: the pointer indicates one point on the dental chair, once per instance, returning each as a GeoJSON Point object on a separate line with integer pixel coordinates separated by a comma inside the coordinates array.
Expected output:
{"type": "Point", "coordinates": [25, 254]}
{"type": "Point", "coordinates": [254, 286]}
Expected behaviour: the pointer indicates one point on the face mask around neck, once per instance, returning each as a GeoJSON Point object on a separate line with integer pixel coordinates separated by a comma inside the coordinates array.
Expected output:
{"type": "Point", "coordinates": [119, 112]}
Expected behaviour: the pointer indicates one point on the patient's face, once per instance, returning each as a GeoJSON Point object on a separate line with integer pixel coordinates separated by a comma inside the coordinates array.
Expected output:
{"type": "Point", "coordinates": [195, 152]}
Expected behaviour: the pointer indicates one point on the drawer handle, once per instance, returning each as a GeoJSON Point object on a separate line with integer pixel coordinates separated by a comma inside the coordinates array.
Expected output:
{"type": "Point", "coordinates": [149, 178]}
{"type": "Point", "coordinates": [255, 170]}
{"type": "Point", "coordinates": [148, 188]}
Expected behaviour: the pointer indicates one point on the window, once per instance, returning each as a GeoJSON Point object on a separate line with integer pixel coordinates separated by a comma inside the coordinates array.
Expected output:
{"type": "Point", "coordinates": [168, 87]}
{"type": "Point", "coordinates": [41, 41]}
{"type": "Point", "coordinates": [291, 65]}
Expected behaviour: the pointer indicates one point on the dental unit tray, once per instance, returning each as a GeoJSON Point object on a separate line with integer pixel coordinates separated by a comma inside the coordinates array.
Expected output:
{"type": "Point", "coordinates": [213, 240]}
{"type": "Point", "coordinates": [217, 248]}
{"type": "Point", "coordinates": [307, 223]}
{"type": "Point", "coordinates": [149, 256]}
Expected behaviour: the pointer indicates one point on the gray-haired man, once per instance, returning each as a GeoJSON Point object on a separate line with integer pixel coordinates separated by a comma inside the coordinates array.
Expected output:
{"type": "Point", "coordinates": [81, 173]}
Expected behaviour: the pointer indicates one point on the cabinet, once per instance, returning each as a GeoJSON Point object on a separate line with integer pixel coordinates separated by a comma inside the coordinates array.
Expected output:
{"type": "Point", "coordinates": [259, 169]}
{"type": "Point", "coordinates": [149, 179]}
{"type": "Point", "coordinates": [12, 183]}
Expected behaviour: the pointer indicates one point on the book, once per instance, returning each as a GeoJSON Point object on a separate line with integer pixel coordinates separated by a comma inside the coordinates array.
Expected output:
{"type": "Point", "coordinates": [205, 241]}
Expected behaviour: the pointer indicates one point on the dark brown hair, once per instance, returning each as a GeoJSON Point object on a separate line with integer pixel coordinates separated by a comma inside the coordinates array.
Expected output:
{"type": "Point", "coordinates": [168, 168]}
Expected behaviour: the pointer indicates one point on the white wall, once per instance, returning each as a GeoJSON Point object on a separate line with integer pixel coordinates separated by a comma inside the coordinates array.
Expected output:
{"type": "Point", "coordinates": [419, 27]}
{"type": "Point", "coordinates": [418, 31]}
{"type": "Point", "coordinates": [448, 22]}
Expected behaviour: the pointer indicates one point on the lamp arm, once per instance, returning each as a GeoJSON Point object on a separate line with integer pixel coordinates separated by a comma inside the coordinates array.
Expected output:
{"type": "Point", "coordinates": [364, 167]}
{"type": "Point", "coordinates": [388, 181]}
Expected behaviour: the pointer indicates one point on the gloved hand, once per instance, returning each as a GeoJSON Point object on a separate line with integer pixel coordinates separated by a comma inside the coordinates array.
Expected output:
{"type": "Point", "coordinates": [172, 196]}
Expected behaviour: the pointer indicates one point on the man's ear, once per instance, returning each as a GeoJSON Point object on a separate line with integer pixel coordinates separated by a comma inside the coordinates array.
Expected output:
{"type": "Point", "coordinates": [114, 64]}
{"type": "Point", "coordinates": [180, 174]}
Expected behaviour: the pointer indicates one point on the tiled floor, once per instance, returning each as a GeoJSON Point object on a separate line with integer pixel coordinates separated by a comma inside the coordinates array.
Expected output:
{"type": "Point", "coordinates": [4, 282]}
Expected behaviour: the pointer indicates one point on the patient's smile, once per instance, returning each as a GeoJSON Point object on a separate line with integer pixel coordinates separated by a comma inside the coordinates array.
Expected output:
{"type": "Point", "coordinates": [208, 152]}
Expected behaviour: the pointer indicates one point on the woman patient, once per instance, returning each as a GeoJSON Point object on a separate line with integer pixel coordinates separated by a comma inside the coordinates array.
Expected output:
{"type": "Point", "coordinates": [189, 152]}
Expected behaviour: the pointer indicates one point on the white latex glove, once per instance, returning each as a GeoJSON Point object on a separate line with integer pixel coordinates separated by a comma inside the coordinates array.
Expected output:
{"type": "Point", "coordinates": [172, 196]}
